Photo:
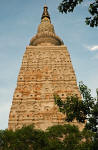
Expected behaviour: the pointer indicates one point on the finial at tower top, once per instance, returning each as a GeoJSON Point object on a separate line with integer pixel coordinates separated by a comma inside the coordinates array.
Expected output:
{"type": "Point", "coordinates": [45, 2]}
{"type": "Point", "coordinates": [45, 13]}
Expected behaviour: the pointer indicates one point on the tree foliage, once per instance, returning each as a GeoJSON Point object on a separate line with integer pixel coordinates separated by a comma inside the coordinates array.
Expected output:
{"type": "Point", "coordinates": [54, 138]}
{"type": "Point", "coordinates": [84, 109]}
{"type": "Point", "coordinates": [69, 6]}
{"type": "Point", "coordinates": [80, 109]}
{"type": "Point", "coordinates": [92, 120]}
{"type": "Point", "coordinates": [72, 107]}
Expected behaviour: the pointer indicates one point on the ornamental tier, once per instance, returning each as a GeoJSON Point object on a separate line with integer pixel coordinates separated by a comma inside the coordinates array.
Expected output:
{"type": "Point", "coordinates": [46, 70]}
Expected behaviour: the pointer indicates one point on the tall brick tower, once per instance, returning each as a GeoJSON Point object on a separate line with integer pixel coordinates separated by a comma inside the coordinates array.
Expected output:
{"type": "Point", "coordinates": [46, 69]}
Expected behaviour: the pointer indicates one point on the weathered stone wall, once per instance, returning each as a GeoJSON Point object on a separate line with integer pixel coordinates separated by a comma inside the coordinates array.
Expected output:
{"type": "Point", "coordinates": [45, 70]}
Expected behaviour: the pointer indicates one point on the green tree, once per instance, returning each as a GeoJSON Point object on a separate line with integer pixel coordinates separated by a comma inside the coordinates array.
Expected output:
{"type": "Point", "coordinates": [26, 138]}
{"type": "Point", "coordinates": [81, 110]}
{"type": "Point", "coordinates": [69, 6]}
{"type": "Point", "coordinates": [74, 108]}
{"type": "Point", "coordinates": [92, 120]}
{"type": "Point", "coordinates": [59, 137]}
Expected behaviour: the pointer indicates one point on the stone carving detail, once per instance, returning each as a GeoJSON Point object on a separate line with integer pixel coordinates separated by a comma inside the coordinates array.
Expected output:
{"type": "Point", "coordinates": [46, 34]}
{"type": "Point", "coordinates": [33, 99]}
{"type": "Point", "coordinates": [45, 70]}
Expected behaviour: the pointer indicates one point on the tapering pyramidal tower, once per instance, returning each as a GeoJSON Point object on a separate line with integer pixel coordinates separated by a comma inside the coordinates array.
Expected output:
{"type": "Point", "coordinates": [46, 69]}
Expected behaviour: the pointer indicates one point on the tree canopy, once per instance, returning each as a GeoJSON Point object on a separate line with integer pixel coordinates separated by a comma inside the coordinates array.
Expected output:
{"type": "Point", "coordinates": [82, 109]}
{"type": "Point", "coordinates": [66, 137]}
{"type": "Point", "coordinates": [69, 5]}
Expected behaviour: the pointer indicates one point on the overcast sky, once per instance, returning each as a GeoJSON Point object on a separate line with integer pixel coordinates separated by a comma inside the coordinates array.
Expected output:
{"type": "Point", "coordinates": [19, 20]}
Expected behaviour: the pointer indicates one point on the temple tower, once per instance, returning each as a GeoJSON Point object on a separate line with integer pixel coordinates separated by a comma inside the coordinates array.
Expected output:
{"type": "Point", "coordinates": [46, 69]}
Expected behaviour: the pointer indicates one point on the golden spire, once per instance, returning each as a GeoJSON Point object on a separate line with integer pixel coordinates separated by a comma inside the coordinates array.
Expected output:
{"type": "Point", "coordinates": [45, 13]}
